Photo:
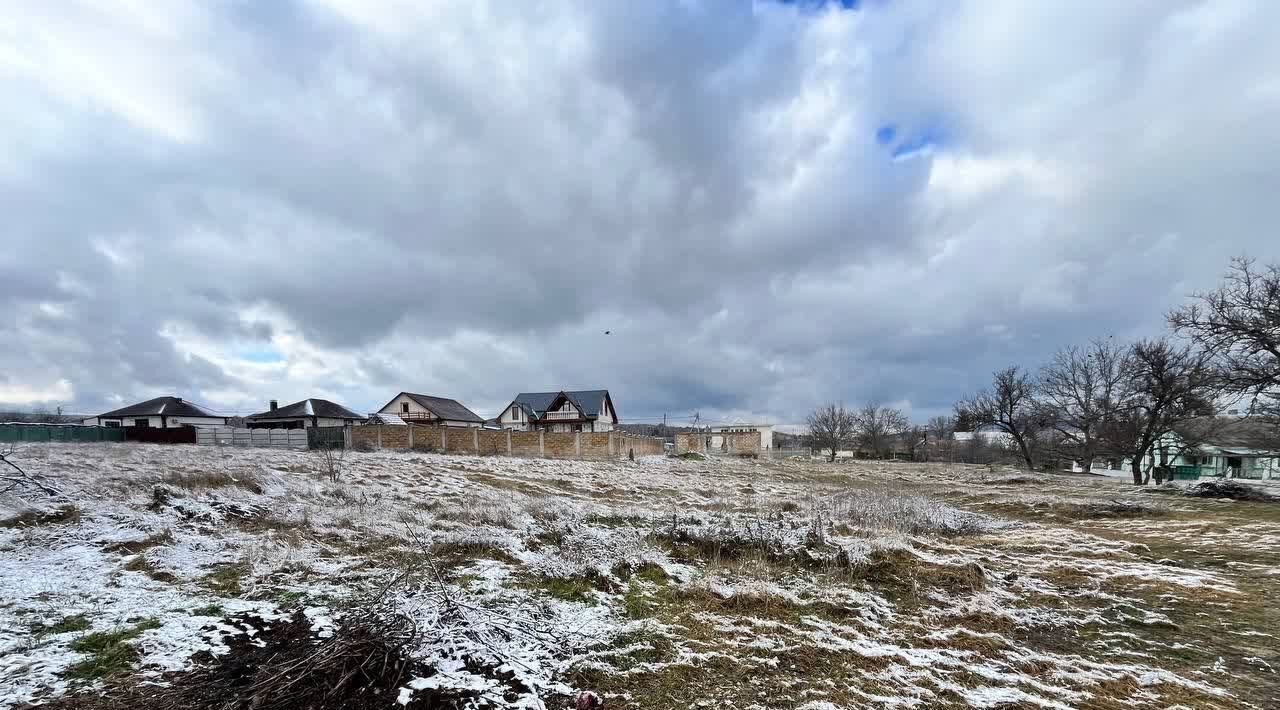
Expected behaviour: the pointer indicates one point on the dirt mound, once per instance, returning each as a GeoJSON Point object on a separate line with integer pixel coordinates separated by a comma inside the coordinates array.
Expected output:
{"type": "Point", "coordinates": [362, 666]}
{"type": "Point", "coordinates": [1227, 488]}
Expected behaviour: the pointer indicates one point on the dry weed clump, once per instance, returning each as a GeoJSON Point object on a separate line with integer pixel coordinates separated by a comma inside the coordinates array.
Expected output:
{"type": "Point", "coordinates": [908, 514]}
{"type": "Point", "coordinates": [205, 480]}
{"type": "Point", "coordinates": [66, 514]}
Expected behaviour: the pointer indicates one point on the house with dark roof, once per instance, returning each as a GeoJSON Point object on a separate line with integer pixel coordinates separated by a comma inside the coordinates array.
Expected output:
{"type": "Point", "coordinates": [1228, 446]}
{"type": "Point", "coordinates": [579, 410]}
{"type": "Point", "coordinates": [311, 412]}
{"type": "Point", "coordinates": [425, 409]}
{"type": "Point", "coordinates": [161, 412]}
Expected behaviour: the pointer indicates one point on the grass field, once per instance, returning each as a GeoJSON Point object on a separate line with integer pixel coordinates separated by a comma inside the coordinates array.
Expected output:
{"type": "Point", "coordinates": [164, 571]}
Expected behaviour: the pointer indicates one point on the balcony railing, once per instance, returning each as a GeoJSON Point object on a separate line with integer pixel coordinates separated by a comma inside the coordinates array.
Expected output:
{"type": "Point", "coordinates": [563, 415]}
{"type": "Point", "coordinates": [416, 416]}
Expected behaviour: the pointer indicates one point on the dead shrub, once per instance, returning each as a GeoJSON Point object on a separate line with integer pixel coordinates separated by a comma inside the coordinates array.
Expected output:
{"type": "Point", "coordinates": [68, 514]}
{"type": "Point", "coordinates": [284, 666]}
{"type": "Point", "coordinates": [204, 480]}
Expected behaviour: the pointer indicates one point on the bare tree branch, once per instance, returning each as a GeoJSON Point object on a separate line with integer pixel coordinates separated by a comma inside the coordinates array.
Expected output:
{"type": "Point", "coordinates": [20, 478]}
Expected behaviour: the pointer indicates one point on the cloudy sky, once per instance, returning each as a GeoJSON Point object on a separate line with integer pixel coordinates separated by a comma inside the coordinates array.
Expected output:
{"type": "Point", "coordinates": [767, 205]}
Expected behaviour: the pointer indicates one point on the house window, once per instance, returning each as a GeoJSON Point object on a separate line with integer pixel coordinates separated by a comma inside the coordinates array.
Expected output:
{"type": "Point", "coordinates": [404, 407]}
{"type": "Point", "coordinates": [114, 424]}
{"type": "Point", "coordinates": [142, 422]}
{"type": "Point", "coordinates": [515, 412]}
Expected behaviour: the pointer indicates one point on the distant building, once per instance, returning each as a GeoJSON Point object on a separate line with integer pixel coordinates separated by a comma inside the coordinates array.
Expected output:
{"type": "Point", "coordinates": [1233, 447]}
{"type": "Point", "coordinates": [582, 410]}
{"type": "Point", "coordinates": [766, 433]}
{"type": "Point", "coordinates": [162, 412]}
{"type": "Point", "coordinates": [311, 412]}
{"type": "Point", "coordinates": [989, 435]}
{"type": "Point", "coordinates": [426, 409]}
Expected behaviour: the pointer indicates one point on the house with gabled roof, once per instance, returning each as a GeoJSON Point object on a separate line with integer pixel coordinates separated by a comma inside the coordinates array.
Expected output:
{"type": "Point", "coordinates": [425, 409]}
{"type": "Point", "coordinates": [312, 412]}
{"type": "Point", "coordinates": [1219, 446]}
{"type": "Point", "coordinates": [578, 410]}
{"type": "Point", "coordinates": [161, 412]}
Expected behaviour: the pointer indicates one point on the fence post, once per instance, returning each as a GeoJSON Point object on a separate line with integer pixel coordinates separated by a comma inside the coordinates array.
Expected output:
{"type": "Point", "coordinates": [577, 444]}
{"type": "Point", "coordinates": [411, 437]}
{"type": "Point", "coordinates": [542, 449]}
{"type": "Point", "coordinates": [475, 440]}
{"type": "Point", "coordinates": [508, 442]}
{"type": "Point", "coordinates": [443, 446]}
{"type": "Point", "coordinates": [379, 437]}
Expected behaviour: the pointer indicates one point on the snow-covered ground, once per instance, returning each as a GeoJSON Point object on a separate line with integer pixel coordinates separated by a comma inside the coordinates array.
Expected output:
{"type": "Point", "coordinates": [656, 583]}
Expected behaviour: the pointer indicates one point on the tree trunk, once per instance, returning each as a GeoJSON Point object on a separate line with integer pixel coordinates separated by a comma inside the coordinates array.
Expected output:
{"type": "Point", "coordinates": [1136, 466]}
{"type": "Point", "coordinates": [1026, 454]}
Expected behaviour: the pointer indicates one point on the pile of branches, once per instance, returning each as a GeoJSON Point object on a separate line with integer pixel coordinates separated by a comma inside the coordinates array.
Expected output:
{"type": "Point", "coordinates": [1227, 488]}
{"type": "Point", "coordinates": [13, 476]}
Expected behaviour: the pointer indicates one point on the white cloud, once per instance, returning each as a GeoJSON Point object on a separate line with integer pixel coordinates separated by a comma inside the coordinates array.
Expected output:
{"type": "Point", "coordinates": [461, 197]}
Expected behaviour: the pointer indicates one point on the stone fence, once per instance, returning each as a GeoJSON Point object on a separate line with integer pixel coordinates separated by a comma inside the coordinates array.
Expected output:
{"type": "Point", "coordinates": [473, 440]}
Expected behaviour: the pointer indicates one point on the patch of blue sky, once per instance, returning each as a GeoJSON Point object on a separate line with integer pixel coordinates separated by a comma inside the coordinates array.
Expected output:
{"type": "Point", "coordinates": [822, 4]}
{"type": "Point", "coordinates": [261, 355]}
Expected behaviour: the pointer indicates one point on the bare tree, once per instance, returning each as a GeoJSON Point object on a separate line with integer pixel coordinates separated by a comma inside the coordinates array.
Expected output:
{"type": "Point", "coordinates": [917, 441]}
{"type": "Point", "coordinates": [942, 430]}
{"type": "Point", "coordinates": [1239, 324]}
{"type": "Point", "coordinates": [876, 427]}
{"type": "Point", "coordinates": [1082, 391]}
{"type": "Point", "coordinates": [1167, 386]}
{"type": "Point", "coordinates": [831, 427]}
{"type": "Point", "coordinates": [1010, 406]}
{"type": "Point", "coordinates": [12, 475]}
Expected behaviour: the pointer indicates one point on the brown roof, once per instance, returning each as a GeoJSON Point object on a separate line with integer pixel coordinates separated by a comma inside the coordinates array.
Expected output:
{"type": "Point", "coordinates": [1233, 432]}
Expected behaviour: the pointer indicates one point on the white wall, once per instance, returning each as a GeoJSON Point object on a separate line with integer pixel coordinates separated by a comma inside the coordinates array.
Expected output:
{"type": "Point", "coordinates": [396, 406]}
{"type": "Point", "coordinates": [517, 423]}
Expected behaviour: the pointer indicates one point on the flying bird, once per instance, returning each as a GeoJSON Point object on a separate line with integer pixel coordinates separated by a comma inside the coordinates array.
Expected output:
{"type": "Point", "coordinates": [608, 332]}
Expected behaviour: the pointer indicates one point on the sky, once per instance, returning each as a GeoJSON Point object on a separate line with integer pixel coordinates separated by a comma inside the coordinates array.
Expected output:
{"type": "Point", "coordinates": [737, 209]}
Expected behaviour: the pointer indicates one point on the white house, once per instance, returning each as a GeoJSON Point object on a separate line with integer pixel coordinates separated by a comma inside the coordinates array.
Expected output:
{"type": "Point", "coordinates": [766, 433]}
{"type": "Point", "coordinates": [1233, 447]}
{"type": "Point", "coordinates": [425, 409]}
{"type": "Point", "coordinates": [311, 412]}
{"type": "Point", "coordinates": [161, 412]}
{"type": "Point", "coordinates": [583, 410]}
{"type": "Point", "coordinates": [989, 436]}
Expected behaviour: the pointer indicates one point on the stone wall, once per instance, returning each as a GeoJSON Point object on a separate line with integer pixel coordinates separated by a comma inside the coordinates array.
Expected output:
{"type": "Point", "coordinates": [741, 443]}
{"type": "Point", "coordinates": [492, 442]}
{"type": "Point", "coordinates": [526, 443]}
{"type": "Point", "coordinates": [691, 441]}
{"type": "Point", "coordinates": [464, 440]}
{"type": "Point", "coordinates": [559, 445]}
{"type": "Point", "coordinates": [595, 445]}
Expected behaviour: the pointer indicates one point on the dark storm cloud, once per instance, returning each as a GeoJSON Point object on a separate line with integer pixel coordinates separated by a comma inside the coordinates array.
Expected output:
{"type": "Point", "coordinates": [462, 198]}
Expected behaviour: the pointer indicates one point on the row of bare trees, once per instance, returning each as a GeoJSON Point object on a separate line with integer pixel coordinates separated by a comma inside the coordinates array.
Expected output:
{"type": "Point", "coordinates": [1117, 401]}
{"type": "Point", "coordinates": [872, 428]}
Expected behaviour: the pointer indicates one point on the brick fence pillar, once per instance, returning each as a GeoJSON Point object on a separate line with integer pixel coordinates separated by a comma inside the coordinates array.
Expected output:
{"type": "Point", "coordinates": [379, 437]}
{"type": "Point", "coordinates": [411, 437]}
{"type": "Point", "coordinates": [508, 442]}
{"type": "Point", "coordinates": [542, 449]}
{"type": "Point", "coordinates": [475, 440]}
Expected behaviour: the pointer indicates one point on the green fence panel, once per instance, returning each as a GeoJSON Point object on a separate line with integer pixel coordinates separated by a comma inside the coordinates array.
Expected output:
{"type": "Point", "coordinates": [326, 437]}
{"type": "Point", "coordinates": [46, 432]}
{"type": "Point", "coordinates": [1186, 473]}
